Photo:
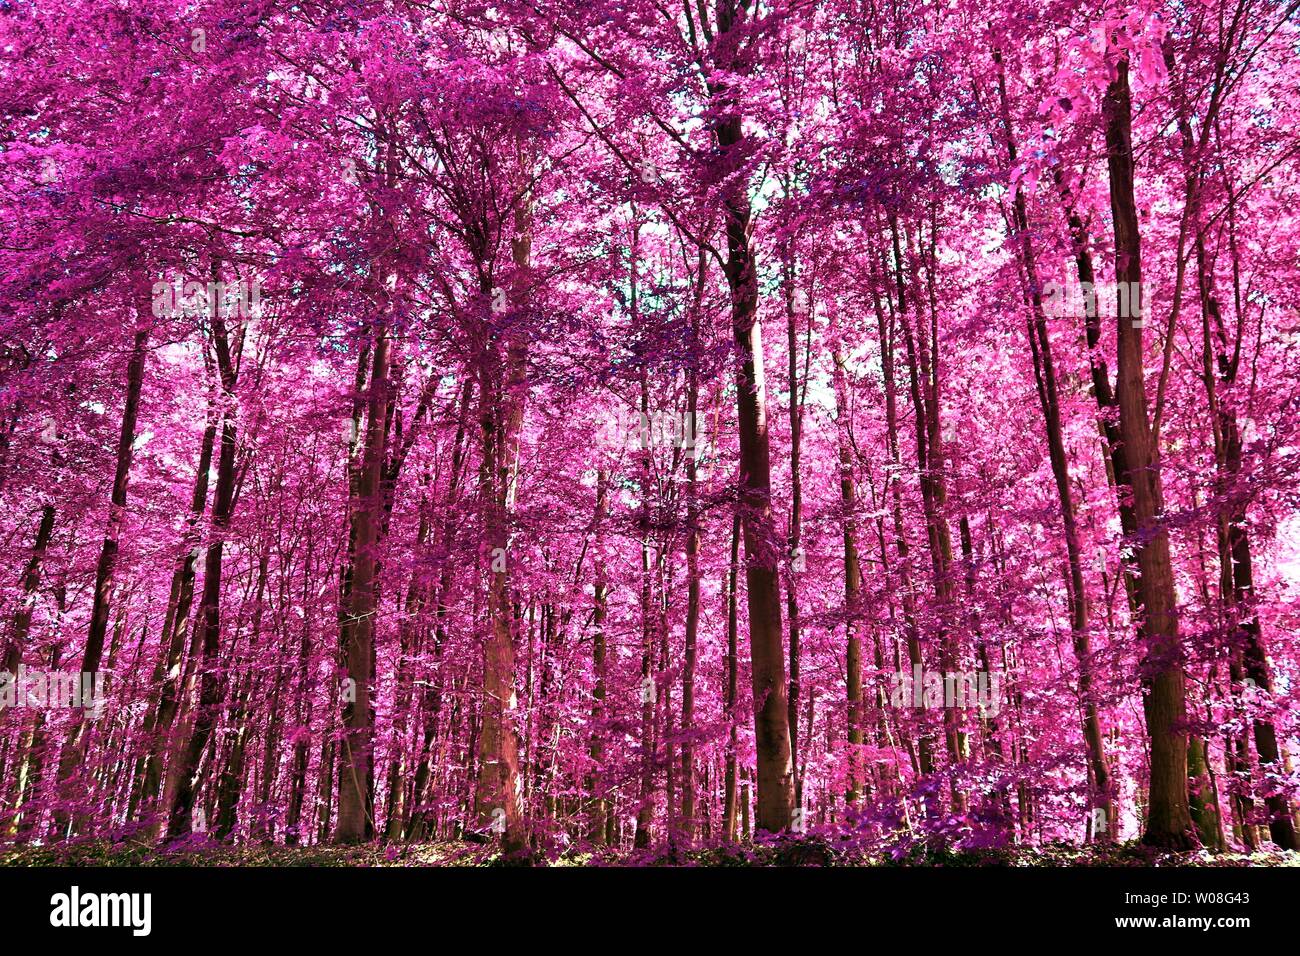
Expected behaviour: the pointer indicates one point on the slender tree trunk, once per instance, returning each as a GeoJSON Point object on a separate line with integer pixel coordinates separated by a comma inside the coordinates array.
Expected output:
{"type": "Point", "coordinates": [1100, 796]}
{"type": "Point", "coordinates": [73, 754]}
{"type": "Point", "coordinates": [501, 410]}
{"type": "Point", "coordinates": [1169, 822]}
{"type": "Point", "coordinates": [117, 509]}
{"type": "Point", "coordinates": [179, 814]}
{"type": "Point", "coordinates": [31, 580]}
{"type": "Point", "coordinates": [648, 690]}
{"type": "Point", "coordinates": [167, 673]}
{"type": "Point", "coordinates": [912, 631]}
{"type": "Point", "coordinates": [921, 351]}
{"type": "Point", "coordinates": [795, 560]}
{"type": "Point", "coordinates": [688, 821]}
{"type": "Point", "coordinates": [852, 573]}
{"type": "Point", "coordinates": [732, 687]}
{"type": "Point", "coordinates": [771, 713]}
{"type": "Point", "coordinates": [355, 769]}
{"type": "Point", "coordinates": [600, 819]}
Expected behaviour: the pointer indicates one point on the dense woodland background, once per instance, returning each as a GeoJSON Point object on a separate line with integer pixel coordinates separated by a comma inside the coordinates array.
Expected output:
{"type": "Point", "coordinates": [489, 514]}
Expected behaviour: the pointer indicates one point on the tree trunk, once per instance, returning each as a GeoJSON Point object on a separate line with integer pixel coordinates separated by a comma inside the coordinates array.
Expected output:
{"type": "Point", "coordinates": [167, 672]}
{"type": "Point", "coordinates": [501, 410]}
{"type": "Point", "coordinates": [355, 768]}
{"type": "Point", "coordinates": [921, 351]}
{"type": "Point", "coordinates": [1169, 822]}
{"type": "Point", "coordinates": [885, 327]}
{"type": "Point", "coordinates": [30, 581]}
{"type": "Point", "coordinates": [600, 819]}
{"type": "Point", "coordinates": [73, 754]}
{"type": "Point", "coordinates": [771, 714]}
{"type": "Point", "coordinates": [180, 812]}
{"type": "Point", "coordinates": [692, 587]}
{"type": "Point", "coordinates": [733, 685]}
{"type": "Point", "coordinates": [767, 662]}
{"type": "Point", "coordinates": [795, 561]}
{"type": "Point", "coordinates": [1045, 382]}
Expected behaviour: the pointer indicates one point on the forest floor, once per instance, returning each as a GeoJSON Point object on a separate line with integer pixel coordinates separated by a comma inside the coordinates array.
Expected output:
{"type": "Point", "coordinates": [806, 852]}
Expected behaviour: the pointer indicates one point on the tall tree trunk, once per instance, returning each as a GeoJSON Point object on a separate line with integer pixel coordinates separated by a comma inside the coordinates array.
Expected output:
{"type": "Point", "coordinates": [692, 581]}
{"type": "Point", "coordinates": [31, 580]}
{"type": "Point", "coordinates": [775, 769]}
{"type": "Point", "coordinates": [852, 579]}
{"type": "Point", "coordinates": [922, 355]}
{"type": "Point", "coordinates": [73, 754]}
{"type": "Point", "coordinates": [649, 689]}
{"type": "Point", "coordinates": [167, 673]}
{"type": "Point", "coordinates": [767, 662]}
{"type": "Point", "coordinates": [1100, 796]}
{"type": "Point", "coordinates": [117, 508]}
{"type": "Point", "coordinates": [793, 309]}
{"type": "Point", "coordinates": [600, 819]}
{"type": "Point", "coordinates": [732, 686]}
{"type": "Point", "coordinates": [355, 768]}
{"type": "Point", "coordinates": [1169, 822]}
{"type": "Point", "coordinates": [179, 814]}
{"type": "Point", "coordinates": [912, 631]}
{"type": "Point", "coordinates": [501, 409]}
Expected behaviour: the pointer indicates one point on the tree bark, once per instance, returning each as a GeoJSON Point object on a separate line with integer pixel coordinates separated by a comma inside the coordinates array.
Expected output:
{"type": "Point", "coordinates": [74, 749]}
{"type": "Point", "coordinates": [179, 813]}
{"type": "Point", "coordinates": [1100, 795]}
{"type": "Point", "coordinates": [1169, 823]}
{"type": "Point", "coordinates": [775, 771]}
{"type": "Point", "coordinates": [688, 822]}
{"type": "Point", "coordinates": [31, 580]}
{"type": "Point", "coordinates": [355, 768]}
{"type": "Point", "coordinates": [167, 672]}
{"type": "Point", "coordinates": [795, 560]}
{"type": "Point", "coordinates": [600, 819]}
{"type": "Point", "coordinates": [501, 409]}
{"type": "Point", "coordinates": [852, 579]}
{"type": "Point", "coordinates": [732, 687]}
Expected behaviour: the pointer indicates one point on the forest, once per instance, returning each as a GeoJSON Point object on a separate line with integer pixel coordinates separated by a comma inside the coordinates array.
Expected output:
{"type": "Point", "coordinates": [621, 431]}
